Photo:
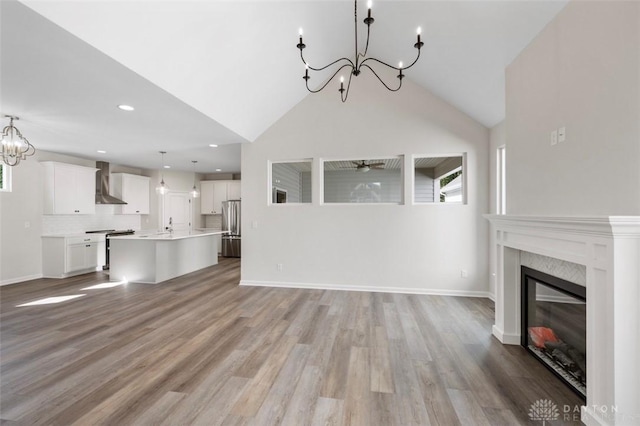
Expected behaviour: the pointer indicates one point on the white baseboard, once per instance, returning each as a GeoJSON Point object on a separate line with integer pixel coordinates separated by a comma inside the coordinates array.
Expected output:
{"type": "Point", "coordinates": [20, 279]}
{"type": "Point", "coordinates": [505, 338]}
{"type": "Point", "coordinates": [374, 289]}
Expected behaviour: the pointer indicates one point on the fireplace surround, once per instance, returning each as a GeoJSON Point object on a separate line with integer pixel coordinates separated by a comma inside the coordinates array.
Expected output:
{"type": "Point", "coordinates": [609, 249]}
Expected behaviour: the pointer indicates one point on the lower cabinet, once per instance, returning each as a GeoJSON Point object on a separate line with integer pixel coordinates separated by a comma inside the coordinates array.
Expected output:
{"type": "Point", "coordinates": [63, 256]}
{"type": "Point", "coordinates": [81, 256]}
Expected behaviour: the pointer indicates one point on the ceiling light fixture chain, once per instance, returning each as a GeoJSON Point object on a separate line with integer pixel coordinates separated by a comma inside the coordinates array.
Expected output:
{"type": "Point", "coordinates": [15, 147]}
{"type": "Point", "coordinates": [360, 60]}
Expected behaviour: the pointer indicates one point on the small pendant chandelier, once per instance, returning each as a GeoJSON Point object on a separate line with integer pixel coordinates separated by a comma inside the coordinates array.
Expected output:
{"type": "Point", "coordinates": [15, 147]}
{"type": "Point", "coordinates": [162, 188]}
{"type": "Point", "coordinates": [194, 191]}
{"type": "Point", "coordinates": [354, 67]}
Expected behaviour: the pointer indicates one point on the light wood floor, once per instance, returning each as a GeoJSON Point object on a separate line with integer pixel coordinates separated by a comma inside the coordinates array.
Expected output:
{"type": "Point", "coordinates": [201, 350]}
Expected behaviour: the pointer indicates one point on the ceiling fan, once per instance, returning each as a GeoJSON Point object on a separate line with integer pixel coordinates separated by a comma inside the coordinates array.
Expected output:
{"type": "Point", "coordinates": [364, 166]}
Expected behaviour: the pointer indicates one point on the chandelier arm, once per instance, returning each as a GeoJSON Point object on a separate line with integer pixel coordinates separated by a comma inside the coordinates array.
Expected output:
{"type": "Point", "coordinates": [414, 61]}
{"type": "Point", "coordinates": [326, 66]}
{"type": "Point", "coordinates": [391, 66]}
{"type": "Point", "coordinates": [344, 99]}
{"type": "Point", "coordinates": [381, 81]}
{"type": "Point", "coordinates": [381, 62]}
{"type": "Point", "coordinates": [331, 78]}
{"type": "Point", "coordinates": [10, 161]}
{"type": "Point", "coordinates": [366, 46]}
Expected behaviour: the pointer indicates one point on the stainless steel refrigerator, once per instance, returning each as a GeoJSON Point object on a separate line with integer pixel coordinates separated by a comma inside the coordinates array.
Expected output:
{"type": "Point", "coordinates": [231, 224]}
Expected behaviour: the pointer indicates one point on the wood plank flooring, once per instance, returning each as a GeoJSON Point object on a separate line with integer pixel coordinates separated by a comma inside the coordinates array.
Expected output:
{"type": "Point", "coordinates": [201, 350]}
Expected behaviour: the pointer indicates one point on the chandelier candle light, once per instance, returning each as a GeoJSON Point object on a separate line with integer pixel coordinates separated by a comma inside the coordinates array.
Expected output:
{"type": "Point", "coordinates": [163, 188]}
{"type": "Point", "coordinates": [15, 147]}
{"type": "Point", "coordinates": [360, 60]}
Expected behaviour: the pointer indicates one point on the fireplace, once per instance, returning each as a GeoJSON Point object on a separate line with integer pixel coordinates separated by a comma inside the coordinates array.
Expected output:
{"type": "Point", "coordinates": [554, 326]}
{"type": "Point", "coordinates": [608, 248]}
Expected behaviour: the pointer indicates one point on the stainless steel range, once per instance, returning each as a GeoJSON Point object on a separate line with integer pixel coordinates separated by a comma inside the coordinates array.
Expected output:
{"type": "Point", "coordinates": [108, 233]}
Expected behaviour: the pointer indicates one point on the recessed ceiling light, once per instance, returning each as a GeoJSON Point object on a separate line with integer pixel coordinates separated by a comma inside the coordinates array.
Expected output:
{"type": "Point", "coordinates": [126, 107]}
{"type": "Point", "coordinates": [213, 145]}
{"type": "Point", "coordinates": [100, 151]}
{"type": "Point", "coordinates": [218, 170]}
{"type": "Point", "coordinates": [167, 167]}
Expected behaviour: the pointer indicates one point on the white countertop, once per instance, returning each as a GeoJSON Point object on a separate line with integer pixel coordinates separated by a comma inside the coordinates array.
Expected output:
{"type": "Point", "coordinates": [73, 235]}
{"type": "Point", "coordinates": [164, 236]}
{"type": "Point", "coordinates": [87, 237]}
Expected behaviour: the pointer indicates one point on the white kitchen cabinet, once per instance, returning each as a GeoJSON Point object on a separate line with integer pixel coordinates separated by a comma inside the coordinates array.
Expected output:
{"type": "Point", "coordinates": [219, 195]}
{"type": "Point", "coordinates": [214, 192]}
{"type": "Point", "coordinates": [81, 256]}
{"type": "Point", "coordinates": [233, 190]}
{"type": "Point", "coordinates": [69, 189]}
{"type": "Point", "coordinates": [134, 190]}
{"type": "Point", "coordinates": [206, 197]}
{"type": "Point", "coordinates": [64, 256]}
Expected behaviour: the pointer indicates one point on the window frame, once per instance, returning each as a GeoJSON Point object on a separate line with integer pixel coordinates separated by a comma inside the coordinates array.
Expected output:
{"type": "Point", "coordinates": [464, 168]}
{"type": "Point", "coordinates": [6, 177]}
{"type": "Point", "coordinates": [501, 180]}
{"type": "Point", "coordinates": [271, 187]}
{"type": "Point", "coordinates": [400, 157]}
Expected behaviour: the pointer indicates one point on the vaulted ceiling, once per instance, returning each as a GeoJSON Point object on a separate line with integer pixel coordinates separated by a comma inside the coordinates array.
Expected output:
{"type": "Point", "coordinates": [222, 72]}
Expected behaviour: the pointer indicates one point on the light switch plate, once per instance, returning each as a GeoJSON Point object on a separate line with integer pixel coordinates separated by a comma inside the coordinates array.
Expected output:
{"type": "Point", "coordinates": [562, 134]}
{"type": "Point", "coordinates": [554, 137]}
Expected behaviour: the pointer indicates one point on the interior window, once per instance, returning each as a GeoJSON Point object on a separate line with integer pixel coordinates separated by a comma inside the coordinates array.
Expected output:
{"type": "Point", "coordinates": [439, 179]}
{"type": "Point", "coordinates": [5, 177]}
{"type": "Point", "coordinates": [291, 182]}
{"type": "Point", "coordinates": [501, 196]}
{"type": "Point", "coordinates": [367, 180]}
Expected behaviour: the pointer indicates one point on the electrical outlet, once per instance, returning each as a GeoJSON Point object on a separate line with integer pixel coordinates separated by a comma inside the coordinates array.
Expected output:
{"type": "Point", "coordinates": [279, 267]}
{"type": "Point", "coordinates": [254, 224]}
{"type": "Point", "coordinates": [562, 134]}
{"type": "Point", "coordinates": [464, 273]}
{"type": "Point", "coordinates": [554, 137]}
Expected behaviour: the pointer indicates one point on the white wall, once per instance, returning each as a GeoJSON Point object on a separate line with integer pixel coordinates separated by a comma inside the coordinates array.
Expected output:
{"type": "Point", "coordinates": [582, 72]}
{"type": "Point", "coordinates": [21, 246]}
{"type": "Point", "coordinates": [417, 248]}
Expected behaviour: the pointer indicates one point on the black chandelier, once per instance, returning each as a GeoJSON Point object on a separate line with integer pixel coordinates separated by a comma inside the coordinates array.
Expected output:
{"type": "Point", "coordinates": [360, 61]}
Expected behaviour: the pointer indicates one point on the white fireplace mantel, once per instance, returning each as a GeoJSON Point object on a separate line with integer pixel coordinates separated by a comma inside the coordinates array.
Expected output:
{"type": "Point", "coordinates": [609, 248]}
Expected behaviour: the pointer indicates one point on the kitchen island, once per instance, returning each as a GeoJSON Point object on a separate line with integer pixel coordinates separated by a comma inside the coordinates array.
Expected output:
{"type": "Point", "coordinates": [157, 257]}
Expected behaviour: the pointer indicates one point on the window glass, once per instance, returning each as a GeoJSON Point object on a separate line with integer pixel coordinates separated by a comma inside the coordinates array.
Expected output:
{"type": "Point", "coordinates": [363, 181]}
{"type": "Point", "coordinates": [291, 182]}
{"type": "Point", "coordinates": [439, 179]}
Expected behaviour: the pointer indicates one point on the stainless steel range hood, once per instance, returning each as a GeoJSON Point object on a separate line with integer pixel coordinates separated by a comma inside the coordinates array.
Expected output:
{"type": "Point", "coordinates": [102, 185]}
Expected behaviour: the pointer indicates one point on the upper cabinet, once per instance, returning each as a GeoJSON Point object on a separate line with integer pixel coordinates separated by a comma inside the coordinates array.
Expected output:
{"type": "Point", "coordinates": [134, 190]}
{"type": "Point", "coordinates": [69, 189]}
{"type": "Point", "coordinates": [214, 192]}
{"type": "Point", "coordinates": [233, 190]}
